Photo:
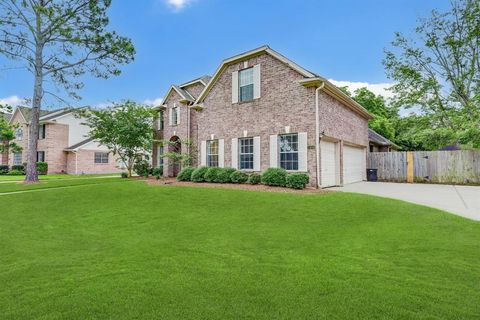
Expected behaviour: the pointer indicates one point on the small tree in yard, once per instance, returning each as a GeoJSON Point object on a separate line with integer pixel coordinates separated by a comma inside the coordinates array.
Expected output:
{"type": "Point", "coordinates": [124, 128]}
{"type": "Point", "coordinates": [57, 41]}
{"type": "Point", "coordinates": [7, 133]}
{"type": "Point", "coordinates": [186, 159]}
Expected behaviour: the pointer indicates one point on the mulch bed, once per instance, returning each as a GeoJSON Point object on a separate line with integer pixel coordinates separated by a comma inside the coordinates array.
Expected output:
{"type": "Point", "coordinates": [257, 187]}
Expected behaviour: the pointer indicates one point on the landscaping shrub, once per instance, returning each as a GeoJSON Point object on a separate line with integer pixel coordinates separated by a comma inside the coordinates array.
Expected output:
{"type": "Point", "coordinates": [274, 177]}
{"type": "Point", "coordinates": [198, 175]}
{"type": "Point", "coordinates": [124, 175]}
{"type": "Point", "coordinates": [297, 180]}
{"type": "Point", "coordinates": [157, 171]}
{"type": "Point", "coordinates": [18, 167]}
{"type": "Point", "coordinates": [211, 174]}
{"type": "Point", "coordinates": [42, 167]}
{"type": "Point", "coordinates": [238, 177]}
{"type": "Point", "coordinates": [4, 169]}
{"type": "Point", "coordinates": [223, 176]}
{"type": "Point", "coordinates": [186, 174]}
{"type": "Point", "coordinates": [254, 178]}
{"type": "Point", "coordinates": [16, 173]}
{"type": "Point", "coordinates": [142, 168]}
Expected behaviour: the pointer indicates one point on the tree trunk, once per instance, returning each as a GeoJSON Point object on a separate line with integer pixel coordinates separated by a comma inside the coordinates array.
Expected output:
{"type": "Point", "coordinates": [31, 172]}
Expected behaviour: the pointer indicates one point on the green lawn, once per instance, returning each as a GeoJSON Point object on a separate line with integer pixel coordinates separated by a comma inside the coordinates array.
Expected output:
{"type": "Point", "coordinates": [125, 250]}
{"type": "Point", "coordinates": [57, 176]}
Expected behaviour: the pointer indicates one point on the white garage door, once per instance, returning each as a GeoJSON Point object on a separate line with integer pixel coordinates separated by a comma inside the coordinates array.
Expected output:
{"type": "Point", "coordinates": [354, 164]}
{"type": "Point", "coordinates": [328, 164]}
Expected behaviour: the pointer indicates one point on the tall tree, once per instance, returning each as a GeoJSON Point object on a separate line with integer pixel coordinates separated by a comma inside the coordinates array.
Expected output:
{"type": "Point", "coordinates": [125, 128]}
{"type": "Point", "coordinates": [438, 70]}
{"type": "Point", "coordinates": [59, 40]}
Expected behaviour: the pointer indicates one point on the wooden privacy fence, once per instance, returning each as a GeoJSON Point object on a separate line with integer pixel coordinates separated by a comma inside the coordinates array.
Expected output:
{"type": "Point", "coordinates": [455, 167]}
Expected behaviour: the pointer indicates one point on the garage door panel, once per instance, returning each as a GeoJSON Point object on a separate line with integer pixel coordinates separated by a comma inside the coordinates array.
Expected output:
{"type": "Point", "coordinates": [354, 164]}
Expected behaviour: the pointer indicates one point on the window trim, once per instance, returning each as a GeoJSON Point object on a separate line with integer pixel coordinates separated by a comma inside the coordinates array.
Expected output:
{"type": "Point", "coordinates": [42, 134]}
{"type": "Point", "coordinates": [279, 152]}
{"type": "Point", "coordinates": [161, 121]}
{"type": "Point", "coordinates": [250, 84]}
{"type": "Point", "coordinates": [38, 158]}
{"type": "Point", "coordinates": [14, 162]}
{"type": "Point", "coordinates": [240, 153]}
{"type": "Point", "coordinates": [18, 136]}
{"type": "Point", "coordinates": [101, 155]}
{"type": "Point", "coordinates": [208, 154]}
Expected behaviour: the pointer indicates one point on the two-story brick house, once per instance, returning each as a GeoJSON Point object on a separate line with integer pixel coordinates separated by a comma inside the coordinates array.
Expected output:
{"type": "Point", "coordinates": [262, 110]}
{"type": "Point", "coordinates": [62, 143]}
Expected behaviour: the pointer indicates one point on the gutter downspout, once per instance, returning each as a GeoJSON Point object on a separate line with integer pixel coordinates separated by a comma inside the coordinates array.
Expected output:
{"type": "Point", "coordinates": [317, 133]}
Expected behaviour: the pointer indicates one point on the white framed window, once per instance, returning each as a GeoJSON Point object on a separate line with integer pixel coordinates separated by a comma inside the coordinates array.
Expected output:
{"type": "Point", "coordinates": [42, 131]}
{"type": "Point", "coordinates": [288, 151]}
{"type": "Point", "coordinates": [19, 134]}
{"type": "Point", "coordinates": [160, 125]}
{"type": "Point", "coordinates": [101, 157]}
{"type": "Point", "coordinates": [159, 156]}
{"type": "Point", "coordinates": [174, 115]}
{"type": "Point", "coordinates": [245, 153]}
{"type": "Point", "coordinates": [40, 156]}
{"type": "Point", "coordinates": [245, 84]}
{"type": "Point", "coordinates": [17, 158]}
{"type": "Point", "coordinates": [212, 153]}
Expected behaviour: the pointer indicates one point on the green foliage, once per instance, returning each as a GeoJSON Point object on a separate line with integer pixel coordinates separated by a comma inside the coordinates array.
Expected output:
{"type": "Point", "coordinates": [224, 174]}
{"type": "Point", "coordinates": [142, 167]}
{"type": "Point", "coordinates": [125, 129]}
{"type": "Point", "coordinates": [274, 177]}
{"type": "Point", "coordinates": [211, 174]}
{"type": "Point", "coordinates": [254, 178]}
{"type": "Point", "coordinates": [4, 169]}
{"type": "Point", "coordinates": [42, 168]}
{"type": "Point", "coordinates": [157, 171]}
{"type": "Point", "coordinates": [198, 175]}
{"type": "Point", "coordinates": [7, 135]}
{"type": "Point", "coordinates": [18, 167]}
{"type": "Point", "coordinates": [437, 71]}
{"type": "Point", "coordinates": [238, 177]}
{"type": "Point", "coordinates": [124, 175]}
{"type": "Point", "coordinates": [297, 180]}
{"type": "Point", "coordinates": [15, 172]}
{"type": "Point", "coordinates": [186, 174]}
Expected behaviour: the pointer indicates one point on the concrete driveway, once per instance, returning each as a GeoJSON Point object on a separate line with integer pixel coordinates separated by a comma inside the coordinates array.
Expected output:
{"type": "Point", "coordinates": [460, 200]}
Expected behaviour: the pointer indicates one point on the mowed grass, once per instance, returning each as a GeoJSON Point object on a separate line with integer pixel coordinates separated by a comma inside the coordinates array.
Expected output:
{"type": "Point", "coordinates": [132, 251]}
{"type": "Point", "coordinates": [57, 176]}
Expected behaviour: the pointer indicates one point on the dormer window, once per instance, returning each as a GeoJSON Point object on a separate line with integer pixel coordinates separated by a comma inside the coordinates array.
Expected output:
{"type": "Point", "coordinates": [246, 84]}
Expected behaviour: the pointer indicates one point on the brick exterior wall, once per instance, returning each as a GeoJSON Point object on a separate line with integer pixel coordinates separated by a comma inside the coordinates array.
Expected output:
{"type": "Point", "coordinates": [56, 140]}
{"type": "Point", "coordinates": [86, 165]}
{"type": "Point", "coordinates": [283, 102]}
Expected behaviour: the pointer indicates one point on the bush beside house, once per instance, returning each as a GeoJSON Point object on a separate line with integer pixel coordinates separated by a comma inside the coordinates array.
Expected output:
{"type": "Point", "coordinates": [271, 177]}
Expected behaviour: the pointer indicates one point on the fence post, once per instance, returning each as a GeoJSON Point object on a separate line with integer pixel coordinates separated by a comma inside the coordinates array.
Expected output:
{"type": "Point", "coordinates": [409, 166]}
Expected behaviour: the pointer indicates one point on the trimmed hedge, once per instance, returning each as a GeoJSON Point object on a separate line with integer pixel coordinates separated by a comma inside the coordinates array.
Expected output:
{"type": "Point", "coordinates": [16, 173]}
{"type": "Point", "coordinates": [4, 169]}
{"type": "Point", "coordinates": [186, 174]}
{"type": "Point", "coordinates": [42, 168]}
{"type": "Point", "coordinates": [198, 175]}
{"type": "Point", "coordinates": [223, 176]}
{"type": "Point", "coordinates": [211, 174]}
{"type": "Point", "coordinates": [254, 178]}
{"type": "Point", "coordinates": [297, 180]}
{"type": "Point", "coordinates": [275, 177]}
{"type": "Point", "coordinates": [18, 167]}
{"type": "Point", "coordinates": [124, 175]}
{"type": "Point", "coordinates": [238, 177]}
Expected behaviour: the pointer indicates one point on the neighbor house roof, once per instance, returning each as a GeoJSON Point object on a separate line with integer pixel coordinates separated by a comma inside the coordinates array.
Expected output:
{"type": "Point", "coordinates": [55, 114]}
{"type": "Point", "coordinates": [311, 79]}
{"type": "Point", "coordinates": [378, 139]}
{"type": "Point", "coordinates": [78, 145]}
{"type": "Point", "coordinates": [6, 116]}
{"type": "Point", "coordinates": [26, 112]}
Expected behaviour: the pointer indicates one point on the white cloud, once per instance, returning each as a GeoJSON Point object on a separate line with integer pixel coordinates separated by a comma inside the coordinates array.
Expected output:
{"type": "Point", "coordinates": [178, 5]}
{"type": "Point", "coordinates": [153, 102]}
{"type": "Point", "coordinates": [377, 88]}
{"type": "Point", "coordinates": [13, 101]}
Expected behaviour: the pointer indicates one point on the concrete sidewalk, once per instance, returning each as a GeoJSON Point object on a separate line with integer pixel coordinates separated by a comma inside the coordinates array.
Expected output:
{"type": "Point", "coordinates": [460, 200]}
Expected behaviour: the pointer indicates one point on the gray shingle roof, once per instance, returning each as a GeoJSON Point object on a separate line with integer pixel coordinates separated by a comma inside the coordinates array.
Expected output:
{"type": "Point", "coordinates": [379, 139]}
{"type": "Point", "coordinates": [81, 143]}
{"type": "Point", "coordinates": [6, 116]}
{"type": "Point", "coordinates": [27, 112]}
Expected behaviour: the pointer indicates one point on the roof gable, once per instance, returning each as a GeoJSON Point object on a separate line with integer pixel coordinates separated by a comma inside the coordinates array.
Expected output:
{"type": "Point", "coordinates": [186, 97]}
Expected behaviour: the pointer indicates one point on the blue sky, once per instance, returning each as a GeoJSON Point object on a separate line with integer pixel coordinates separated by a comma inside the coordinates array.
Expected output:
{"type": "Point", "coordinates": [178, 40]}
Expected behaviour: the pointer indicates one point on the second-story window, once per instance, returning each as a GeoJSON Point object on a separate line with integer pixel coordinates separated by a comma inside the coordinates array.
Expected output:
{"type": "Point", "coordinates": [19, 134]}
{"type": "Point", "coordinates": [246, 84]}
{"type": "Point", "coordinates": [174, 115]}
{"type": "Point", "coordinates": [160, 120]}
{"type": "Point", "coordinates": [42, 131]}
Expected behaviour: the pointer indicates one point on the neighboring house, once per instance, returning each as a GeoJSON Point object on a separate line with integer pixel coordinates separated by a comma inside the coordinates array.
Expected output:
{"type": "Point", "coordinates": [379, 143]}
{"type": "Point", "coordinates": [62, 143]}
{"type": "Point", "coordinates": [261, 110]}
{"type": "Point", "coordinates": [4, 155]}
